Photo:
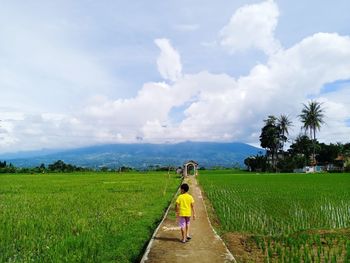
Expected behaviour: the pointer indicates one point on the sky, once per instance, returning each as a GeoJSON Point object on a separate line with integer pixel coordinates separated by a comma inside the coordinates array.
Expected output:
{"type": "Point", "coordinates": [79, 73]}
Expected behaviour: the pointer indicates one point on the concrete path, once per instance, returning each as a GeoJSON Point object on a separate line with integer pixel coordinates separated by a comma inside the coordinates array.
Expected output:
{"type": "Point", "coordinates": [205, 245]}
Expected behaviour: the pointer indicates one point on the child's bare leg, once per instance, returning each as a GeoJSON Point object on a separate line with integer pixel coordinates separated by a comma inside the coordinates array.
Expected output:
{"type": "Point", "coordinates": [184, 234]}
{"type": "Point", "coordinates": [187, 230]}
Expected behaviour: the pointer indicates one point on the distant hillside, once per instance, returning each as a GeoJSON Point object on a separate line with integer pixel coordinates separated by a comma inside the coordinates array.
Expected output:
{"type": "Point", "coordinates": [207, 154]}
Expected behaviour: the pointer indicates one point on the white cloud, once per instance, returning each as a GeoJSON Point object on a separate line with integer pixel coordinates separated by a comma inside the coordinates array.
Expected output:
{"type": "Point", "coordinates": [168, 62]}
{"type": "Point", "coordinates": [227, 109]}
{"type": "Point", "coordinates": [337, 109]}
{"type": "Point", "coordinates": [216, 107]}
{"type": "Point", "coordinates": [252, 26]}
{"type": "Point", "coordinates": [221, 108]}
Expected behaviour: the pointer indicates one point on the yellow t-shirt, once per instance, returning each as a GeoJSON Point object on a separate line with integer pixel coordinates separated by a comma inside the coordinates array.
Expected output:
{"type": "Point", "coordinates": [184, 202]}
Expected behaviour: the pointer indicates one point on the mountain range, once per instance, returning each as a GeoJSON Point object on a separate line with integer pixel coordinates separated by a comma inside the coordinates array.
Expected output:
{"type": "Point", "coordinates": [206, 154]}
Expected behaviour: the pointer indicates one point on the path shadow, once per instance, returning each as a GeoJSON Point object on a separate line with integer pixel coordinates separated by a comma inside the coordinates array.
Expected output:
{"type": "Point", "coordinates": [171, 239]}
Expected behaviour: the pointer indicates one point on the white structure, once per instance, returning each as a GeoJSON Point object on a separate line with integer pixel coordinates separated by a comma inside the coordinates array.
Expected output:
{"type": "Point", "coordinates": [308, 169]}
{"type": "Point", "coordinates": [187, 167]}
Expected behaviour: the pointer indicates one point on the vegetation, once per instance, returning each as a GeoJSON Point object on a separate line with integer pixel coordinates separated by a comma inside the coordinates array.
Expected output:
{"type": "Point", "coordinates": [61, 167]}
{"type": "Point", "coordinates": [258, 163]}
{"type": "Point", "coordinates": [80, 217]}
{"type": "Point", "coordinates": [305, 150]}
{"type": "Point", "coordinates": [56, 167]}
{"type": "Point", "coordinates": [284, 124]}
{"type": "Point", "coordinates": [283, 217]}
{"type": "Point", "coordinates": [312, 117]}
{"type": "Point", "coordinates": [271, 138]}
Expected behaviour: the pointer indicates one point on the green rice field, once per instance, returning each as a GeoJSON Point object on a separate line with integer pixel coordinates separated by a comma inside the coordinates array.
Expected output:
{"type": "Point", "coordinates": [283, 217]}
{"type": "Point", "coordinates": [81, 217]}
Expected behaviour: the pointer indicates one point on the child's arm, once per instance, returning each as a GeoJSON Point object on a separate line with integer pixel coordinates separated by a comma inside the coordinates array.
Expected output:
{"type": "Point", "coordinates": [177, 209]}
{"type": "Point", "coordinates": [193, 212]}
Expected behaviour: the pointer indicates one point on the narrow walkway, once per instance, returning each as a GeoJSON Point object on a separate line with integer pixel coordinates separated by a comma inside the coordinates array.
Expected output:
{"type": "Point", "coordinates": [205, 245]}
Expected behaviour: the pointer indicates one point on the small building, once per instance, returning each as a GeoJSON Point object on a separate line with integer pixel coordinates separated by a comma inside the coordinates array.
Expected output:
{"type": "Point", "coordinates": [179, 170]}
{"type": "Point", "coordinates": [190, 168]}
{"type": "Point", "coordinates": [309, 169]}
{"type": "Point", "coordinates": [341, 163]}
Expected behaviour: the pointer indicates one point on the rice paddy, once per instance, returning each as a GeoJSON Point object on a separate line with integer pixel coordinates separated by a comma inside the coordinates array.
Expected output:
{"type": "Point", "coordinates": [283, 217]}
{"type": "Point", "coordinates": [109, 217]}
{"type": "Point", "coordinates": [81, 217]}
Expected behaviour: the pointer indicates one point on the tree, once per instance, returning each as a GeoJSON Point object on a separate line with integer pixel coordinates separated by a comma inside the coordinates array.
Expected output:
{"type": "Point", "coordinates": [61, 167]}
{"type": "Point", "coordinates": [312, 118]}
{"type": "Point", "coordinates": [328, 153]}
{"type": "Point", "coordinates": [284, 123]}
{"type": "Point", "coordinates": [346, 153]}
{"type": "Point", "coordinates": [3, 164]}
{"type": "Point", "coordinates": [271, 138]}
{"type": "Point", "coordinates": [257, 163]}
{"type": "Point", "coordinates": [302, 147]}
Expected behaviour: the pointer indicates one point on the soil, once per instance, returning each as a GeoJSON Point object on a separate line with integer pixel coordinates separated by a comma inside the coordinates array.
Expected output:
{"type": "Point", "coordinates": [205, 245]}
{"type": "Point", "coordinates": [244, 248]}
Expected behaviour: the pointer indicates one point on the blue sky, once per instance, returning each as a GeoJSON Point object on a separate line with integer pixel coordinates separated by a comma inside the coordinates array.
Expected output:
{"type": "Point", "coordinates": [335, 86]}
{"type": "Point", "coordinates": [76, 73]}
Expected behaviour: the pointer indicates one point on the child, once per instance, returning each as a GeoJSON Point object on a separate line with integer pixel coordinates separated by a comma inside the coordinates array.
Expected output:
{"type": "Point", "coordinates": [184, 208]}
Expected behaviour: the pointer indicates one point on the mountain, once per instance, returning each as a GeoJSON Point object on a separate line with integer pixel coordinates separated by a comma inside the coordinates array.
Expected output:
{"type": "Point", "coordinates": [207, 154]}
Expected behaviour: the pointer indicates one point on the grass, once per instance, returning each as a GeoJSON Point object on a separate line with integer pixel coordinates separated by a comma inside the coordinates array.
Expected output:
{"type": "Point", "coordinates": [287, 217]}
{"type": "Point", "coordinates": [81, 217]}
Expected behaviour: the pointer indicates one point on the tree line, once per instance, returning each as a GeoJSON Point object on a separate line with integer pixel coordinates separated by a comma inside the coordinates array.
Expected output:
{"type": "Point", "coordinates": [62, 167]}
{"type": "Point", "coordinates": [305, 150]}
{"type": "Point", "coordinates": [56, 167]}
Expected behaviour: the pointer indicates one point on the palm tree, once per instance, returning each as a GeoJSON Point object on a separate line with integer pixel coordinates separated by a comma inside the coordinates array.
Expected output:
{"type": "Point", "coordinates": [284, 123]}
{"type": "Point", "coordinates": [312, 117]}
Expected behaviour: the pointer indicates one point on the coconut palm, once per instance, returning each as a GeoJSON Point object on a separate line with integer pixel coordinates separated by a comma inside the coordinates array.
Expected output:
{"type": "Point", "coordinates": [284, 123]}
{"type": "Point", "coordinates": [312, 117]}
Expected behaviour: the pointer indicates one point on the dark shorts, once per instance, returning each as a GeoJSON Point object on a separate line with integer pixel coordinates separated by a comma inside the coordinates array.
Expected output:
{"type": "Point", "coordinates": [184, 220]}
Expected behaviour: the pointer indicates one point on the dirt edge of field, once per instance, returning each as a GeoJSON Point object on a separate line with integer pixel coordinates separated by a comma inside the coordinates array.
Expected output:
{"type": "Point", "coordinates": [242, 246]}
{"type": "Point", "coordinates": [237, 243]}
{"type": "Point", "coordinates": [214, 220]}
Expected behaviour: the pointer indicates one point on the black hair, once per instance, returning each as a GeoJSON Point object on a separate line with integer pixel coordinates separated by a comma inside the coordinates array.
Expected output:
{"type": "Point", "coordinates": [185, 187]}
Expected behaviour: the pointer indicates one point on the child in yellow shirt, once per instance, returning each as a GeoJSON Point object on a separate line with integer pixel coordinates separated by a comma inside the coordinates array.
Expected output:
{"type": "Point", "coordinates": [184, 207]}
